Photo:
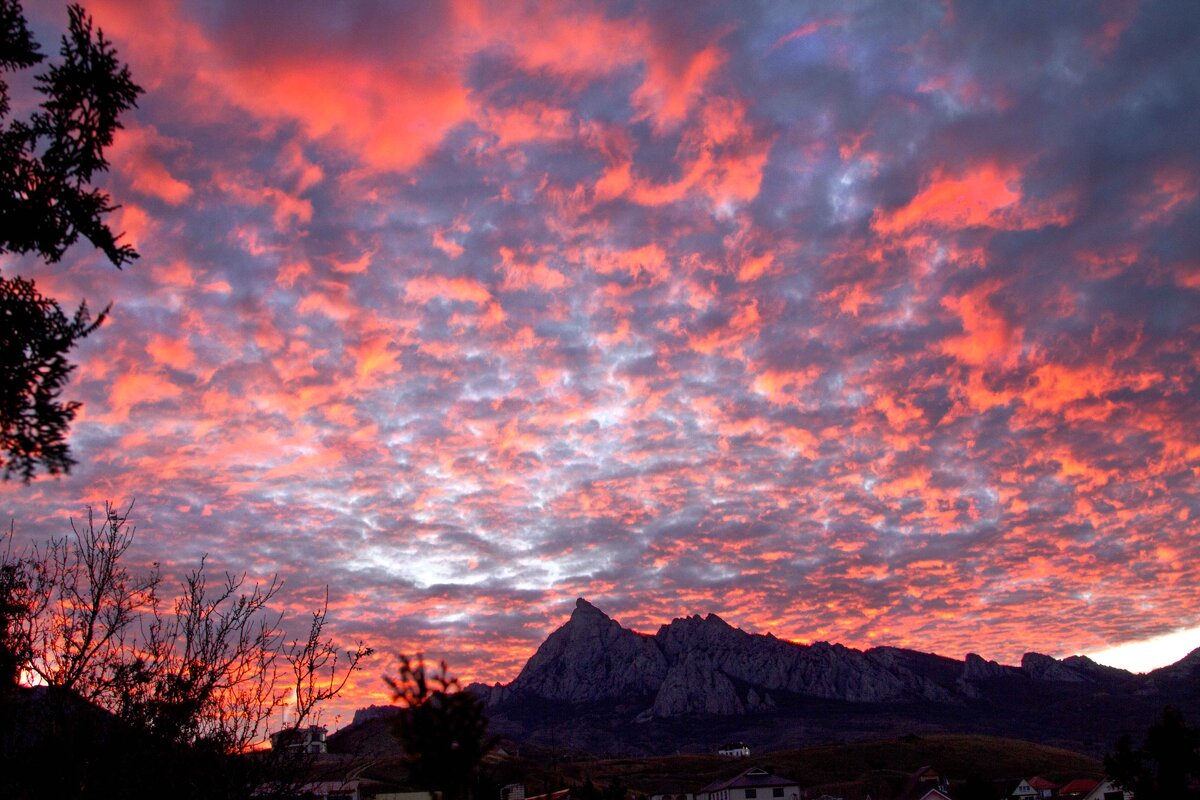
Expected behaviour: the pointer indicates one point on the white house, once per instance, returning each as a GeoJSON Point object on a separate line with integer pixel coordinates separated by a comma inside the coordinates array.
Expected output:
{"type": "Point", "coordinates": [739, 750]}
{"type": "Point", "coordinates": [310, 739]}
{"type": "Point", "coordinates": [1107, 790]}
{"type": "Point", "coordinates": [752, 784]}
{"type": "Point", "coordinates": [1035, 788]}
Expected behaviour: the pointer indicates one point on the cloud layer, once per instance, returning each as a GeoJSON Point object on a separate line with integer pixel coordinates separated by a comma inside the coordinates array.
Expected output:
{"type": "Point", "coordinates": [868, 323]}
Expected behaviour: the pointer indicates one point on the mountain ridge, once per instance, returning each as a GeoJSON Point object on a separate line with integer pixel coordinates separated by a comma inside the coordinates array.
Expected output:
{"type": "Point", "coordinates": [597, 686]}
{"type": "Point", "coordinates": [592, 658]}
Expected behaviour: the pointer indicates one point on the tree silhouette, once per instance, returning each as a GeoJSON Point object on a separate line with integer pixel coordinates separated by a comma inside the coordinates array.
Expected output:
{"type": "Point", "coordinates": [1162, 767]}
{"type": "Point", "coordinates": [47, 201]}
{"type": "Point", "coordinates": [35, 336]}
{"type": "Point", "coordinates": [443, 729]}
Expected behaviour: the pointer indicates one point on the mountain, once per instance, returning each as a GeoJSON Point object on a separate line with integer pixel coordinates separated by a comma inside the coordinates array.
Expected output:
{"type": "Point", "coordinates": [596, 686]}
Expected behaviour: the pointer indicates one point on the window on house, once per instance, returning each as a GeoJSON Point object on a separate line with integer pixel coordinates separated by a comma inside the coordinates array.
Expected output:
{"type": "Point", "coordinates": [777, 791]}
{"type": "Point", "coordinates": [750, 794]}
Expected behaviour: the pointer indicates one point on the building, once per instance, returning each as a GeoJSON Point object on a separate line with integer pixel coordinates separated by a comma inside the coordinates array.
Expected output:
{"type": "Point", "coordinates": [1035, 788]}
{"type": "Point", "coordinates": [739, 750]}
{"type": "Point", "coordinates": [936, 794]}
{"type": "Point", "coordinates": [1077, 789]}
{"type": "Point", "coordinates": [1107, 790]}
{"type": "Point", "coordinates": [752, 784]}
{"type": "Point", "coordinates": [310, 739]}
{"type": "Point", "coordinates": [561, 794]}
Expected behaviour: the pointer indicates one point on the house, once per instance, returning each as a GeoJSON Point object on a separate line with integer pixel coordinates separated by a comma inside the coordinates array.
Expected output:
{"type": "Point", "coordinates": [936, 794]}
{"type": "Point", "coordinates": [752, 784]}
{"type": "Point", "coordinates": [680, 796]}
{"type": "Point", "coordinates": [310, 739]}
{"type": "Point", "coordinates": [1107, 790]}
{"type": "Point", "coordinates": [739, 750]}
{"type": "Point", "coordinates": [513, 791]}
{"type": "Point", "coordinates": [919, 784]}
{"type": "Point", "coordinates": [561, 794]}
{"type": "Point", "coordinates": [1035, 788]}
{"type": "Point", "coordinates": [1077, 789]}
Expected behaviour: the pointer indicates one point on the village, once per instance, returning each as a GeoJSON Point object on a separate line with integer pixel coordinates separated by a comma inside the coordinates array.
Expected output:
{"type": "Point", "coordinates": [371, 779]}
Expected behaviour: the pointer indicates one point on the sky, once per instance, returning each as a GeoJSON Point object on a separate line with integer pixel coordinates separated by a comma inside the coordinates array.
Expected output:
{"type": "Point", "coordinates": [871, 323]}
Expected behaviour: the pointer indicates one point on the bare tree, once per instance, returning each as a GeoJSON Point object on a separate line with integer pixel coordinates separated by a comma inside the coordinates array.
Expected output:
{"type": "Point", "coordinates": [316, 675]}
{"type": "Point", "coordinates": [195, 679]}
{"type": "Point", "coordinates": [206, 671]}
{"type": "Point", "coordinates": [81, 605]}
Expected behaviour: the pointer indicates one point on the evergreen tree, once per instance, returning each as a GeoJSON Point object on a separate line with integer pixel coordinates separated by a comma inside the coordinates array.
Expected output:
{"type": "Point", "coordinates": [47, 201]}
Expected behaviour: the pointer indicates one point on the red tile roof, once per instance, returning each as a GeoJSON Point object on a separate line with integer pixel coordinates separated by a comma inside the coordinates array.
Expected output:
{"type": "Point", "coordinates": [1079, 786]}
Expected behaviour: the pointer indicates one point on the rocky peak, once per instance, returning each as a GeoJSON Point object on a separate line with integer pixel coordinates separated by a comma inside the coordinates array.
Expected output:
{"type": "Point", "coordinates": [1090, 668]}
{"type": "Point", "coordinates": [364, 715]}
{"type": "Point", "coordinates": [976, 667]}
{"type": "Point", "coordinates": [707, 634]}
{"type": "Point", "coordinates": [592, 658]}
{"type": "Point", "coordinates": [1047, 668]}
{"type": "Point", "coordinates": [586, 612]}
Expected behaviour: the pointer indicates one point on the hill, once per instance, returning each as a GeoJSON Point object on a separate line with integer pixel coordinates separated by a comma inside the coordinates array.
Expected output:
{"type": "Point", "coordinates": [878, 767]}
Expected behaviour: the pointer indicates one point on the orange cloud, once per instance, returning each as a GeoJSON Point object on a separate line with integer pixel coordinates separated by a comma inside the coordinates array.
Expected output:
{"type": "Point", "coordinates": [669, 91]}
{"type": "Point", "coordinates": [988, 336]}
{"type": "Point", "coordinates": [987, 195]}
{"type": "Point", "coordinates": [174, 353]}
{"type": "Point", "coordinates": [519, 275]}
{"type": "Point", "coordinates": [135, 154]}
{"type": "Point", "coordinates": [424, 288]}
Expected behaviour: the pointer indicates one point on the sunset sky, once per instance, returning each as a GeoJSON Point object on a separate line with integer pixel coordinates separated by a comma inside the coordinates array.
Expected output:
{"type": "Point", "coordinates": [871, 323]}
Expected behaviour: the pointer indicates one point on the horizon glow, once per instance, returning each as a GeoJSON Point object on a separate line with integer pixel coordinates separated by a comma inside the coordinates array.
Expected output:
{"type": "Point", "coordinates": [1150, 654]}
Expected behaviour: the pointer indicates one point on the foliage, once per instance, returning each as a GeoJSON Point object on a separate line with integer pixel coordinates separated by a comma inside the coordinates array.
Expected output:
{"type": "Point", "coordinates": [35, 336]}
{"type": "Point", "coordinates": [442, 728]}
{"type": "Point", "coordinates": [1161, 768]}
{"type": "Point", "coordinates": [13, 609]}
{"type": "Point", "coordinates": [47, 164]}
{"type": "Point", "coordinates": [193, 681]}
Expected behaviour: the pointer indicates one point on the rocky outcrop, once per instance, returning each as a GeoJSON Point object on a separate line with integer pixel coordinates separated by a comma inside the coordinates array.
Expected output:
{"type": "Point", "coordinates": [694, 686]}
{"type": "Point", "coordinates": [1097, 672]}
{"type": "Point", "coordinates": [365, 715]}
{"type": "Point", "coordinates": [818, 670]}
{"type": "Point", "coordinates": [592, 659]}
{"type": "Point", "coordinates": [976, 668]}
{"type": "Point", "coordinates": [694, 665]}
{"type": "Point", "coordinates": [1047, 668]}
